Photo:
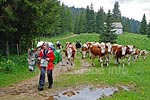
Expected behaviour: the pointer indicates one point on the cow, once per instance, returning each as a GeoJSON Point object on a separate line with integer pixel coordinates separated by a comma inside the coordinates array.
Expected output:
{"type": "Point", "coordinates": [143, 53]}
{"type": "Point", "coordinates": [58, 45]}
{"type": "Point", "coordinates": [33, 55]}
{"type": "Point", "coordinates": [129, 51]}
{"type": "Point", "coordinates": [119, 52]}
{"type": "Point", "coordinates": [78, 46]}
{"type": "Point", "coordinates": [85, 49]}
{"type": "Point", "coordinates": [70, 52]}
{"type": "Point", "coordinates": [108, 47]}
{"type": "Point", "coordinates": [98, 49]}
{"type": "Point", "coordinates": [135, 54]}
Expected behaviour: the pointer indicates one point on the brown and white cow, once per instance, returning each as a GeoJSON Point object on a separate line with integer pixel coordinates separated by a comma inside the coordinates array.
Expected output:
{"type": "Point", "coordinates": [135, 54]}
{"type": "Point", "coordinates": [108, 52]}
{"type": "Point", "coordinates": [119, 53]}
{"type": "Point", "coordinates": [86, 49]}
{"type": "Point", "coordinates": [70, 52]}
{"type": "Point", "coordinates": [143, 53]}
{"type": "Point", "coordinates": [98, 49]}
{"type": "Point", "coordinates": [129, 51]}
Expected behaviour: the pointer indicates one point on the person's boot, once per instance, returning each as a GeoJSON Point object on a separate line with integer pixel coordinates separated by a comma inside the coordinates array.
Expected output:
{"type": "Point", "coordinates": [40, 88]}
{"type": "Point", "coordinates": [49, 86]}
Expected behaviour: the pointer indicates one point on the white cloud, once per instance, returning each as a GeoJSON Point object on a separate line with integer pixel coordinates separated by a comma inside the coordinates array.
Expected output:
{"type": "Point", "coordinates": [129, 8]}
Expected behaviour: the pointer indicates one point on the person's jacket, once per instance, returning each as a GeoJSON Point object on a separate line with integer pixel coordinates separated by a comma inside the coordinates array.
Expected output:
{"type": "Point", "coordinates": [50, 58]}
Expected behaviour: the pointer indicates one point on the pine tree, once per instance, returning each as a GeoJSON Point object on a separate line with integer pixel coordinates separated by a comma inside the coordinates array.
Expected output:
{"type": "Point", "coordinates": [116, 13]}
{"type": "Point", "coordinates": [108, 35]}
{"type": "Point", "coordinates": [100, 21]}
{"type": "Point", "coordinates": [82, 23]}
{"type": "Point", "coordinates": [143, 27]}
{"type": "Point", "coordinates": [76, 26]}
{"type": "Point", "coordinates": [7, 22]}
{"type": "Point", "coordinates": [90, 19]}
{"type": "Point", "coordinates": [66, 23]}
{"type": "Point", "coordinates": [148, 30]}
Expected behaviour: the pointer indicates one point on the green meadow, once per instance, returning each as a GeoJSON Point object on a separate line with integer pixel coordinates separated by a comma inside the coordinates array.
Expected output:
{"type": "Point", "coordinates": [136, 76]}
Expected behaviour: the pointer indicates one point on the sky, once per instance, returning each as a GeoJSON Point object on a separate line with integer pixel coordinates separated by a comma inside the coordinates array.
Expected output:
{"type": "Point", "coordinates": [129, 8]}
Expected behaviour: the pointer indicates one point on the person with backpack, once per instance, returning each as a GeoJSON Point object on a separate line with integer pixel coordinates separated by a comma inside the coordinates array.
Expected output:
{"type": "Point", "coordinates": [46, 57]}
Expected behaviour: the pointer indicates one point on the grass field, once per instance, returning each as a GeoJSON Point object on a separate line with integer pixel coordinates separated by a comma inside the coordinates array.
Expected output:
{"type": "Point", "coordinates": [137, 75]}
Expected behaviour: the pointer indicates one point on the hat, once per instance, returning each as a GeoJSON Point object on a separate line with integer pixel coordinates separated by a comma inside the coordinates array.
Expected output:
{"type": "Point", "coordinates": [45, 43]}
{"type": "Point", "coordinates": [40, 44]}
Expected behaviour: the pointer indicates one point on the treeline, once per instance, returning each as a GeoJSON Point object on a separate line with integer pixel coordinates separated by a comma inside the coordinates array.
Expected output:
{"type": "Point", "coordinates": [22, 21]}
{"type": "Point", "coordinates": [129, 25]}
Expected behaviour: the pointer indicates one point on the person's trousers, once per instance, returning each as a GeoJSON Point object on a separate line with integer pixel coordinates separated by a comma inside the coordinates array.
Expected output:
{"type": "Point", "coordinates": [42, 77]}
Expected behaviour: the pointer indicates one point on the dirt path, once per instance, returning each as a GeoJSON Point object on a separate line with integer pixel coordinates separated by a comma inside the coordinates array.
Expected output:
{"type": "Point", "coordinates": [27, 90]}
{"type": "Point", "coordinates": [68, 37]}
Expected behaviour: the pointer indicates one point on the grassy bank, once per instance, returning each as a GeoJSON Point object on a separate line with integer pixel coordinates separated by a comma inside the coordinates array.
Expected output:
{"type": "Point", "coordinates": [14, 70]}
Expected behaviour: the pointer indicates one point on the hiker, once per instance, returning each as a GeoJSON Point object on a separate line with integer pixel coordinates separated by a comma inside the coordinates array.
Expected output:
{"type": "Point", "coordinates": [46, 58]}
{"type": "Point", "coordinates": [58, 45]}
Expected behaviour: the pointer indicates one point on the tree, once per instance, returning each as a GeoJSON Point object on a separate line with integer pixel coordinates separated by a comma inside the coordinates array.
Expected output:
{"type": "Point", "coordinates": [116, 13]}
{"type": "Point", "coordinates": [108, 35]}
{"type": "Point", "coordinates": [148, 30]}
{"type": "Point", "coordinates": [76, 26]}
{"type": "Point", "coordinates": [143, 27]}
{"type": "Point", "coordinates": [7, 24]}
{"type": "Point", "coordinates": [66, 23]}
{"type": "Point", "coordinates": [100, 21]}
{"type": "Point", "coordinates": [82, 23]}
{"type": "Point", "coordinates": [22, 20]}
{"type": "Point", "coordinates": [126, 24]}
{"type": "Point", "coordinates": [90, 19]}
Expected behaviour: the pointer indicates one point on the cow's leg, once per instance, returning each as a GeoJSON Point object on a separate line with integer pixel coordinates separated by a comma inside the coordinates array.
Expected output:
{"type": "Point", "coordinates": [72, 60]}
{"type": "Point", "coordinates": [93, 57]}
{"type": "Point", "coordinates": [136, 57]}
{"type": "Point", "coordinates": [133, 57]}
{"type": "Point", "coordinates": [66, 60]}
{"type": "Point", "coordinates": [90, 55]}
{"type": "Point", "coordinates": [144, 57]}
{"type": "Point", "coordinates": [101, 61]}
{"type": "Point", "coordinates": [117, 59]}
{"type": "Point", "coordinates": [129, 60]}
{"type": "Point", "coordinates": [123, 61]}
{"type": "Point", "coordinates": [107, 60]}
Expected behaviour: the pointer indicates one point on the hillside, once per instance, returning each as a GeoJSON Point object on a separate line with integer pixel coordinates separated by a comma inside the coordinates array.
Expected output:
{"type": "Point", "coordinates": [133, 78]}
{"type": "Point", "coordinates": [140, 41]}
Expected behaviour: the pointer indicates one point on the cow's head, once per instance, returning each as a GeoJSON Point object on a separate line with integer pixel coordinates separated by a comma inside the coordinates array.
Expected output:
{"type": "Point", "coordinates": [124, 48]}
{"type": "Point", "coordinates": [103, 47]}
{"type": "Point", "coordinates": [69, 52]}
{"type": "Point", "coordinates": [84, 50]}
{"type": "Point", "coordinates": [109, 47]}
{"type": "Point", "coordinates": [131, 48]}
{"type": "Point", "coordinates": [31, 59]}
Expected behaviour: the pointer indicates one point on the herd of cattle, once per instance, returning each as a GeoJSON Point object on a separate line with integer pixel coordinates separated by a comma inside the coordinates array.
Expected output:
{"type": "Point", "coordinates": [104, 51]}
{"type": "Point", "coordinates": [92, 50]}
